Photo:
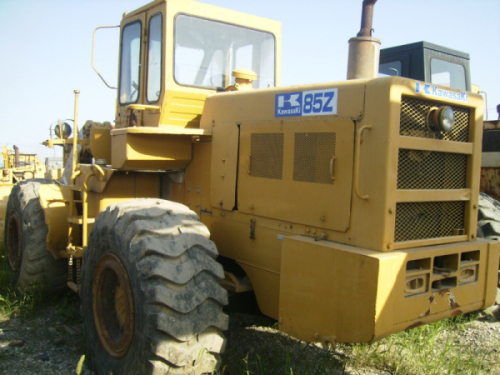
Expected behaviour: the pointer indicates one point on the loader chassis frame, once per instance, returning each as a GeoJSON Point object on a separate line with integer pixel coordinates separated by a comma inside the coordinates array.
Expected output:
{"type": "Point", "coordinates": [306, 204]}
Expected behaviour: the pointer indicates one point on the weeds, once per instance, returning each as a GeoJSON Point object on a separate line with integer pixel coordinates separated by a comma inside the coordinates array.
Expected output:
{"type": "Point", "coordinates": [27, 303]}
{"type": "Point", "coordinates": [15, 302]}
{"type": "Point", "coordinates": [19, 303]}
{"type": "Point", "coordinates": [434, 349]}
{"type": "Point", "coordinates": [431, 349]}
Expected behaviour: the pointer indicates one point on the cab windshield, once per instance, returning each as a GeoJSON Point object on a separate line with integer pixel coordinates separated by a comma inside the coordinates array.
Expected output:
{"type": "Point", "coordinates": [206, 52]}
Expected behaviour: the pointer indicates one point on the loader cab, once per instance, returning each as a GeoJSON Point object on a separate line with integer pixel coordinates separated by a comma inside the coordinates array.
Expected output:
{"type": "Point", "coordinates": [427, 62]}
{"type": "Point", "coordinates": [174, 53]}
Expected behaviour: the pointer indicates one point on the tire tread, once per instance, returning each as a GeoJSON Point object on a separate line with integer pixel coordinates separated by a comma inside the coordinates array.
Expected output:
{"type": "Point", "coordinates": [177, 285]}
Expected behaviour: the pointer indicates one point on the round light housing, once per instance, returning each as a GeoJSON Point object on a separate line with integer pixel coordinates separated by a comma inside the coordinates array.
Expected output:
{"type": "Point", "coordinates": [62, 130]}
{"type": "Point", "coordinates": [441, 119]}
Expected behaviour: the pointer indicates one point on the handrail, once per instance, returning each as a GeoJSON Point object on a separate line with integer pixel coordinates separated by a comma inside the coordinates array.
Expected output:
{"type": "Point", "coordinates": [93, 44]}
{"type": "Point", "coordinates": [74, 151]}
{"type": "Point", "coordinates": [356, 162]}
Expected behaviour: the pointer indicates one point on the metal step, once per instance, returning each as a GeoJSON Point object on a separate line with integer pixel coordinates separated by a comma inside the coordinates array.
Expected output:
{"type": "Point", "coordinates": [73, 286]}
{"type": "Point", "coordinates": [76, 251]}
{"type": "Point", "coordinates": [79, 220]}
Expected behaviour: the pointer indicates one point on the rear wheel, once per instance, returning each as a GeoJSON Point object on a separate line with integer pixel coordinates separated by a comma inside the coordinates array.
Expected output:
{"type": "Point", "coordinates": [488, 223]}
{"type": "Point", "coordinates": [33, 266]}
{"type": "Point", "coordinates": [150, 292]}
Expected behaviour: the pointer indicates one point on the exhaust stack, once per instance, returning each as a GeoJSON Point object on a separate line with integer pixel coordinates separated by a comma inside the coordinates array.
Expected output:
{"type": "Point", "coordinates": [17, 164]}
{"type": "Point", "coordinates": [364, 50]}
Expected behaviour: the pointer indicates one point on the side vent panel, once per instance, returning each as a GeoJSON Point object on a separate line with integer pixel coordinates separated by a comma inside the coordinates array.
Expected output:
{"type": "Point", "coordinates": [266, 158]}
{"type": "Point", "coordinates": [297, 170]}
{"type": "Point", "coordinates": [431, 170]}
{"type": "Point", "coordinates": [314, 157]}
{"type": "Point", "coordinates": [422, 220]}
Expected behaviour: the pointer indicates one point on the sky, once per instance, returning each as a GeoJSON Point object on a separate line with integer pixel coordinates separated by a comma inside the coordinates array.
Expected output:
{"type": "Point", "coordinates": [46, 50]}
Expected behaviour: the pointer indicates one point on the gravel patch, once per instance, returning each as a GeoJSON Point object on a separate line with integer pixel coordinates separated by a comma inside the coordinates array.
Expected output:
{"type": "Point", "coordinates": [40, 345]}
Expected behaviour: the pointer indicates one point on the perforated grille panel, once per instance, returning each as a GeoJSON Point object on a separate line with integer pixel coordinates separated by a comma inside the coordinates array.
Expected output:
{"type": "Point", "coordinates": [421, 220]}
{"type": "Point", "coordinates": [431, 170]}
{"type": "Point", "coordinates": [313, 155]}
{"type": "Point", "coordinates": [413, 120]}
{"type": "Point", "coordinates": [266, 155]}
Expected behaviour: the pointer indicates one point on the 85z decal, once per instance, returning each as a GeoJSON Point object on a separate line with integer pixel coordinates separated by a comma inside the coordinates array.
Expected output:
{"type": "Point", "coordinates": [306, 103]}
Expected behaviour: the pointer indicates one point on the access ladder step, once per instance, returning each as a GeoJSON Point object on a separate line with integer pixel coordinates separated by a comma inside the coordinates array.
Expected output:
{"type": "Point", "coordinates": [73, 286]}
{"type": "Point", "coordinates": [76, 251]}
{"type": "Point", "coordinates": [79, 220]}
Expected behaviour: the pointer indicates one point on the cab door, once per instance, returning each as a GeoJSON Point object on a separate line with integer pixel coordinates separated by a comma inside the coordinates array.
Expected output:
{"type": "Point", "coordinates": [141, 69]}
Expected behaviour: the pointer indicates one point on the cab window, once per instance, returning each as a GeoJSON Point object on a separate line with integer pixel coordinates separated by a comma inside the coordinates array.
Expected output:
{"type": "Point", "coordinates": [206, 52]}
{"type": "Point", "coordinates": [445, 73]}
{"type": "Point", "coordinates": [130, 64]}
{"type": "Point", "coordinates": [392, 68]}
{"type": "Point", "coordinates": [154, 63]}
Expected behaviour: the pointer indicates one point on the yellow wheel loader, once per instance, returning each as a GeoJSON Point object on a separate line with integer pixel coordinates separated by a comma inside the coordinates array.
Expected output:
{"type": "Point", "coordinates": [349, 208]}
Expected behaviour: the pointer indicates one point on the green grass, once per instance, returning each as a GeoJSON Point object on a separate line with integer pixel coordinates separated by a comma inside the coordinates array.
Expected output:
{"type": "Point", "coordinates": [15, 302]}
{"type": "Point", "coordinates": [434, 349]}
{"type": "Point", "coordinates": [431, 349]}
{"type": "Point", "coordinates": [26, 304]}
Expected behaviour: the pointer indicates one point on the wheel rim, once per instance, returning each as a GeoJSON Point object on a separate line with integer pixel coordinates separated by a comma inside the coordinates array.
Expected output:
{"type": "Point", "coordinates": [113, 307]}
{"type": "Point", "coordinates": [14, 236]}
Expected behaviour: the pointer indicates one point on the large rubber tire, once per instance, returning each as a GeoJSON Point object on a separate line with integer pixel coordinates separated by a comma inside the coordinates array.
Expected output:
{"type": "Point", "coordinates": [150, 291]}
{"type": "Point", "coordinates": [488, 225]}
{"type": "Point", "coordinates": [33, 266]}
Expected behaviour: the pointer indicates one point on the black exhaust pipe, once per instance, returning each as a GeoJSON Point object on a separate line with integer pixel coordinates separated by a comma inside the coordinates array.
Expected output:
{"type": "Point", "coordinates": [367, 18]}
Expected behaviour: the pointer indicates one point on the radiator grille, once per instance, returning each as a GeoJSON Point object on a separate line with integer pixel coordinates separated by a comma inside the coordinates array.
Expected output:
{"type": "Point", "coordinates": [422, 220]}
{"type": "Point", "coordinates": [266, 155]}
{"type": "Point", "coordinates": [313, 153]}
{"type": "Point", "coordinates": [413, 120]}
{"type": "Point", "coordinates": [431, 170]}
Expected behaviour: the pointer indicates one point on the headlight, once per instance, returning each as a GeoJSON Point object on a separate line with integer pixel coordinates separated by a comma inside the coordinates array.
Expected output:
{"type": "Point", "coordinates": [440, 119]}
{"type": "Point", "coordinates": [62, 130]}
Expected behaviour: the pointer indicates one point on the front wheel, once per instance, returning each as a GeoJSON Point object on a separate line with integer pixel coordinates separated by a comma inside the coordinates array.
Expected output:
{"type": "Point", "coordinates": [150, 292]}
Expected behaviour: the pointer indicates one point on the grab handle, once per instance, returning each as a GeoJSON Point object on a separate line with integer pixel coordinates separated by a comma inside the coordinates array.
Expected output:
{"type": "Point", "coordinates": [332, 161]}
{"type": "Point", "coordinates": [356, 163]}
{"type": "Point", "coordinates": [249, 164]}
